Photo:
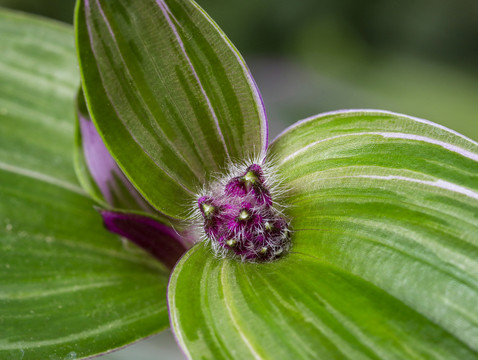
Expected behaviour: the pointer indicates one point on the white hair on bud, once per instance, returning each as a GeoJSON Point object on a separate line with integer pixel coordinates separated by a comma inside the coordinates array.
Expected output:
{"type": "Point", "coordinates": [272, 213]}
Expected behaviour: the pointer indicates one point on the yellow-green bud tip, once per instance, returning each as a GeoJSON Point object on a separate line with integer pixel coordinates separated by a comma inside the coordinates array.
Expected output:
{"type": "Point", "coordinates": [268, 226]}
{"type": "Point", "coordinates": [250, 177]}
{"type": "Point", "coordinates": [244, 215]}
{"type": "Point", "coordinates": [207, 209]}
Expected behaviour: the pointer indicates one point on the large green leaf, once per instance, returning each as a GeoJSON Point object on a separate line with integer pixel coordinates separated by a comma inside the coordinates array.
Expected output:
{"type": "Point", "coordinates": [170, 95]}
{"type": "Point", "coordinates": [68, 288]}
{"type": "Point", "coordinates": [384, 262]}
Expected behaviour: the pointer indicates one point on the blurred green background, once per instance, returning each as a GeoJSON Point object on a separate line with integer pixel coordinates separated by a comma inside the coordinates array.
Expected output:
{"type": "Point", "coordinates": [417, 57]}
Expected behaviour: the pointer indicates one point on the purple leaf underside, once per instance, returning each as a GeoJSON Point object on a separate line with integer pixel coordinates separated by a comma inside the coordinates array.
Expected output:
{"type": "Point", "coordinates": [160, 240]}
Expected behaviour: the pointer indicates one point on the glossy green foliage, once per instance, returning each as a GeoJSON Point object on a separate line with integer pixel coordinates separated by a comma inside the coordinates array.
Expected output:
{"type": "Point", "coordinates": [170, 95]}
{"type": "Point", "coordinates": [68, 288]}
{"type": "Point", "coordinates": [384, 261]}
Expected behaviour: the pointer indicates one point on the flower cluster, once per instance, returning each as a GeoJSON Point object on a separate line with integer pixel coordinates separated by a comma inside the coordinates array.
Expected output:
{"type": "Point", "coordinates": [239, 216]}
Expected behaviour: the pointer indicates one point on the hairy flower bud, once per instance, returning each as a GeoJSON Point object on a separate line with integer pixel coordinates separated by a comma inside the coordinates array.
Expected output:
{"type": "Point", "coordinates": [238, 216]}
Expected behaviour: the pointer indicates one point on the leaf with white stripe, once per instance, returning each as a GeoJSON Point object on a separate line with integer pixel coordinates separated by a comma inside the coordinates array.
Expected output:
{"type": "Point", "coordinates": [170, 95]}
{"type": "Point", "coordinates": [68, 288]}
{"type": "Point", "coordinates": [384, 261]}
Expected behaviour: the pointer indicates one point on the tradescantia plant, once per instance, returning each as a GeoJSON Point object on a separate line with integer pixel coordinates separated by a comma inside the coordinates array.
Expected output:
{"type": "Point", "coordinates": [354, 234]}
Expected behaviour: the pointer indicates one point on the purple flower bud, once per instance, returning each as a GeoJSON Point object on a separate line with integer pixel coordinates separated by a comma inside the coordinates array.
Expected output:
{"type": "Point", "coordinates": [211, 227]}
{"type": "Point", "coordinates": [262, 195]}
{"type": "Point", "coordinates": [256, 170]}
{"type": "Point", "coordinates": [241, 219]}
{"type": "Point", "coordinates": [207, 206]}
{"type": "Point", "coordinates": [260, 239]}
{"type": "Point", "coordinates": [236, 187]}
{"type": "Point", "coordinates": [240, 186]}
{"type": "Point", "coordinates": [234, 225]}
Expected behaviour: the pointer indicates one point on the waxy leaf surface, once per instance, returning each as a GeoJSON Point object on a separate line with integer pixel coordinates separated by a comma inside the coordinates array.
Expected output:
{"type": "Point", "coordinates": [68, 288]}
{"type": "Point", "coordinates": [384, 261]}
{"type": "Point", "coordinates": [170, 95]}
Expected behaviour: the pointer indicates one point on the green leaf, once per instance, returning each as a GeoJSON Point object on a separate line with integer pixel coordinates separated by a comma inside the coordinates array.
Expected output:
{"type": "Point", "coordinates": [68, 288]}
{"type": "Point", "coordinates": [384, 261]}
{"type": "Point", "coordinates": [170, 95]}
{"type": "Point", "coordinates": [97, 171]}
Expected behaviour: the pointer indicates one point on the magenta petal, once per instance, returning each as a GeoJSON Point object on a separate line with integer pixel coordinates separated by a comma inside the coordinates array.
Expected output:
{"type": "Point", "coordinates": [158, 239]}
